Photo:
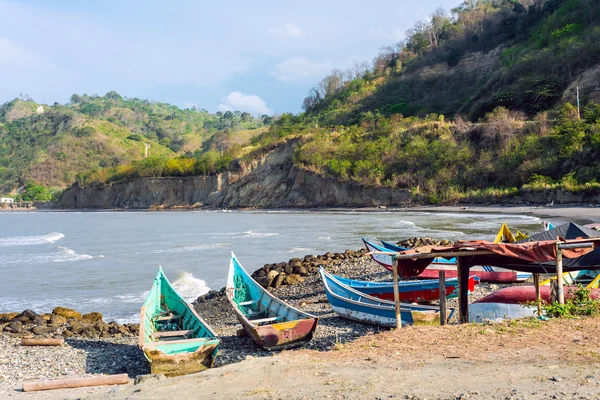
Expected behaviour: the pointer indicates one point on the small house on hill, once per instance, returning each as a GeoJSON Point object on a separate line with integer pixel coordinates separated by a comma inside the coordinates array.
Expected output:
{"type": "Point", "coordinates": [6, 200]}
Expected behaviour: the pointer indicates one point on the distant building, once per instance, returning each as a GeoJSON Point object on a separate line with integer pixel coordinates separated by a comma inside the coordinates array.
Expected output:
{"type": "Point", "coordinates": [6, 200]}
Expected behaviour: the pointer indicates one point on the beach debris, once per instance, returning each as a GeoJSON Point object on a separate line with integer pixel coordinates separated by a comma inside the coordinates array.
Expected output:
{"type": "Point", "coordinates": [66, 383]}
{"type": "Point", "coordinates": [42, 342]}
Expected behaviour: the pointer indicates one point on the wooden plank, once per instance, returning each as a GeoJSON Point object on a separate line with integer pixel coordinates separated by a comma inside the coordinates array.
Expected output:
{"type": "Point", "coordinates": [442, 287]}
{"type": "Point", "coordinates": [166, 334]}
{"type": "Point", "coordinates": [65, 383]}
{"type": "Point", "coordinates": [396, 292]}
{"type": "Point", "coordinates": [152, 345]}
{"type": "Point", "coordinates": [538, 296]}
{"type": "Point", "coordinates": [42, 342]}
{"type": "Point", "coordinates": [559, 273]}
{"type": "Point", "coordinates": [463, 290]}
{"type": "Point", "coordinates": [168, 317]}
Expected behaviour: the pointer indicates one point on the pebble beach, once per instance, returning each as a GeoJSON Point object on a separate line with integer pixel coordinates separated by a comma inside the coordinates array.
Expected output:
{"type": "Point", "coordinates": [110, 348]}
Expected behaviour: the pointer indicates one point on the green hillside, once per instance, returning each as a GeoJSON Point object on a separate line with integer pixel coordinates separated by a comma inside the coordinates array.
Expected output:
{"type": "Point", "coordinates": [53, 145]}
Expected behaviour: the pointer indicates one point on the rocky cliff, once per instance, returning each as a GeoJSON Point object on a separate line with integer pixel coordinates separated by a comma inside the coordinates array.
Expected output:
{"type": "Point", "coordinates": [271, 181]}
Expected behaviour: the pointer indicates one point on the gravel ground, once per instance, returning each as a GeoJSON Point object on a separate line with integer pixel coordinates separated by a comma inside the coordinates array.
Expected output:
{"type": "Point", "coordinates": [308, 296]}
{"type": "Point", "coordinates": [81, 357]}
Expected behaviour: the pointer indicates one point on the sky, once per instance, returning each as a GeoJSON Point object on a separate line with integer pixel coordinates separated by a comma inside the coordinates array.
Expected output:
{"type": "Point", "coordinates": [256, 56]}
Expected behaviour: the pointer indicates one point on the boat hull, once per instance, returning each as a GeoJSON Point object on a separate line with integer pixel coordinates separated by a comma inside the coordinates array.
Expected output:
{"type": "Point", "coordinates": [479, 312]}
{"type": "Point", "coordinates": [288, 327]}
{"type": "Point", "coordinates": [411, 292]}
{"type": "Point", "coordinates": [285, 335]}
{"type": "Point", "coordinates": [485, 273]}
{"type": "Point", "coordinates": [354, 305]}
{"type": "Point", "coordinates": [173, 337]}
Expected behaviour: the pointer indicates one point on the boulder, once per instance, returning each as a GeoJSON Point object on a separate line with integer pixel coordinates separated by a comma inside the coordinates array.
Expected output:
{"type": "Point", "coordinates": [241, 333]}
{"type": "Point", "coordinates": [259, 273]}
{"type": "Point", "coordinates": [38, 320]}
{"type": "Point", "coordinates": [133, 328]}
{"type": "Point", "coordinates": [43, 330]}
{"type": "Point", "coordinates": [14, 327]}
{"type": "Point", "coordinates": [57, 320]}
{"type": "Point", "coordinates": [278, 280]}
{"type": "Point", "coordinates": [7, 317]}
{"type": "Point", "coordinates": [264, 281]}
{"type": "Point", "coordinates": [92, 317]}
{"type": "Point", "coordinates": [276, 268]}
{"type": "Point", "coordinates": [272, 274]}
{"type": "Point", "coordinates": [66, 333]}
{"type": "Point", "coordinates": [26, 317]}
{"type": "Point", "coordinates": [101, 327]}
{"type": "Point", "coordinates": [46, 317]}
{"type": "Point", "coordinates": [288, 269]}
{"type": "Point", "coordinates": [293, 279]}
{"type": "Point", "coordinates": [66, 312]}
{"type": "Point", "coordinates": [83, 328]}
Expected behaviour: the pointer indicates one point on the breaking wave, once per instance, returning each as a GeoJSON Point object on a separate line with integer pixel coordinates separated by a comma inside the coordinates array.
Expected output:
{"type": "Point", "coordinates": [259, 234]}
{"type": "Point", "coordinates": [190, 287]}
{"type": "Point", "coordinates": [298, 249]}
{"type": "Point", "coordinates": [66, 254]}
{"type": "Point", "coordinates": [31, 240]}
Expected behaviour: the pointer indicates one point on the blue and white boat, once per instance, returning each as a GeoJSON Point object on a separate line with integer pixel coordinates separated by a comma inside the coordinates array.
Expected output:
{"type": "Point", "coordinates": [352, 304]}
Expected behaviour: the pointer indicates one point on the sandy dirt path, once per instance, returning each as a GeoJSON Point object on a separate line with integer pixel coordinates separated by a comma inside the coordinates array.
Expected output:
{"type": "Point", "coordinates": [518, 360]}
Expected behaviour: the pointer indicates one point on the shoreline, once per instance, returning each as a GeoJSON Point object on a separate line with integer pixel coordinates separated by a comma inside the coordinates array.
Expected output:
{"type": "Point", "coordinates": [588, 213]}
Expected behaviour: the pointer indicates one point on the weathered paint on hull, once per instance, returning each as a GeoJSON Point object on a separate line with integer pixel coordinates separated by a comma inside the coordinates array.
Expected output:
{"type": "Point", "coordinates": [181, 364]}
{"type": "Point", "coordinates": [289, 335]}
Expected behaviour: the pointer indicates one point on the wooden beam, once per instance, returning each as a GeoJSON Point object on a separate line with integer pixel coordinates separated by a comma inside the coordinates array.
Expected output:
{"type": "Point", "coordinates": [42, 342]}
{"type": "Point", "coordinates": [442, 286]}
{"type": "Point", "coordinates": [559, 274]}
{"type": "Point", "coordinates": [463, 289]}
{"type": "Point", "coordinates": [396, 292]}
{"type": "Point", "coordinates": [48, 384]}
{"type": "Point", "coordinates": [538, 295]}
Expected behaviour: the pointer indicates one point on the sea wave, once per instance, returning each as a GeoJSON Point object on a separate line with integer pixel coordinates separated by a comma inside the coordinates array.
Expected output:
{"type": "Point", "coordinates": [190, 287]}
{"type": "Point", "coordinates": [183, 249]}
{"type": "Point", "coordinates": [324, 238]}
{"type": "Point", "coordinates": [65, 254]}
{"type": "Point", "coordinates": [259, 234]}
{"type": "Point", "coordinates": [298, 249]}
{"type": "Point", "coordinates": [30, 240]}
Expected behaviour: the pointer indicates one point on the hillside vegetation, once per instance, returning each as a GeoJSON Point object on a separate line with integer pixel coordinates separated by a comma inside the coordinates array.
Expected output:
{"type": "Point", "coordinates": [52, 146]}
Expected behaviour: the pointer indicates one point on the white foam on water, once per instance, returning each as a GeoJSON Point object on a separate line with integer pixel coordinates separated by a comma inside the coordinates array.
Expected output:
{"type": "Point", "coordinates": [183, 249]}
{"type": "Point", "coordinates": [133, 298]}
{"type": "Point", "coordinates": [298, 249]}
{"type": "Point", "coordinates": [324, 238]}
{"type": "Point", "coordinates": [129, 319]}
{"type": "Point", "coordinates": [190, 287]}
{"type": "Point", "coordinates": [66, 254]}
{"type": "Point", "coordinates": [31, 240]}
{"type": "Point", "coordinates": [259, 234]}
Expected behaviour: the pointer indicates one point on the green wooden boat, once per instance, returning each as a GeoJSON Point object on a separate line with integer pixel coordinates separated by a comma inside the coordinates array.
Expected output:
{"type": "Point", "coordinates": [173, 337]}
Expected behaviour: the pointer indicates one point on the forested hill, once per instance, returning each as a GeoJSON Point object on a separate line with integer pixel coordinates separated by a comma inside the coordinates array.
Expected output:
{"type": "Point", "coordinates": [46, 147]}
{"type": "Point", "coordinates": [525, 55]}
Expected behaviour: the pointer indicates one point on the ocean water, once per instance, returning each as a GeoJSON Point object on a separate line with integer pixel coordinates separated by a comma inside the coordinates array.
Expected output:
{"type": "Point", "coordinates": [106, 261]}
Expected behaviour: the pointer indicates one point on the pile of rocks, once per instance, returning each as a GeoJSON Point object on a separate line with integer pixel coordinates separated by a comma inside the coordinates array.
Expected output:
{"type": "Point", "coordinates": [419, 242]}
{"type": "Point", "coordinates": [63, 322]}
{"type": "Point", "coordinates": [296, 269]}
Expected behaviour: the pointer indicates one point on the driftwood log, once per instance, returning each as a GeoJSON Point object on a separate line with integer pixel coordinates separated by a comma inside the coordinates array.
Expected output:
{"type": "Point", "coordinates": [66, 383]}
{"type": "Point", "coordinates": [42, 342]}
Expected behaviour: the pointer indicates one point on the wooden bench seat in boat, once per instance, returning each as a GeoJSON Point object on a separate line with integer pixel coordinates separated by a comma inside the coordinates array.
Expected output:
{"type": "Point", "coordinates": [168, 317]}
{"type": "Point", "coordinates": [151, 345]}
{"type": "Point", "coordinates": [168, 334]}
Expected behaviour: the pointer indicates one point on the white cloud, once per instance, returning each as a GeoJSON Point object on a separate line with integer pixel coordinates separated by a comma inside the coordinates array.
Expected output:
{"type": "Point", "coordinates": [288, 30]}
{"type": "Point", "coordinates": [300, 69]}
{"type": "Point", "coordinates": [249, 103]}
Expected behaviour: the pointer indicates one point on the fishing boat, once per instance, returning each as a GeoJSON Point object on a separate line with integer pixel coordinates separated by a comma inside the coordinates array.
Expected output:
{"type": "Point", "coordinates": [270, 322]}
{"type": "Point", "coordinates": [515, 302]}
{"type": "Point", "coordinates": [357, 306]}
{"type": "Point", "coordinates": [410, 291]}
{"type": "Point", "coordinates": [485, 273]}
{"type": "Point", "coordinates": [173, 337]}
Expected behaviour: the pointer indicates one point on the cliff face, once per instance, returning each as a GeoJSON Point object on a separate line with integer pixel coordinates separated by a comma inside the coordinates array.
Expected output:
{"type": "Point", "coordinates": [271, 181]}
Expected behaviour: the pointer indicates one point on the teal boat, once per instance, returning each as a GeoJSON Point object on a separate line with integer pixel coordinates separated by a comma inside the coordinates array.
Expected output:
{"type": "Point", "coordinates": [173, 337]}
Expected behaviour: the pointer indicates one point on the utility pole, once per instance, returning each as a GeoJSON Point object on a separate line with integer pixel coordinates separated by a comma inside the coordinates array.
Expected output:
{"type": "Point", "coordinates": [578, 114]}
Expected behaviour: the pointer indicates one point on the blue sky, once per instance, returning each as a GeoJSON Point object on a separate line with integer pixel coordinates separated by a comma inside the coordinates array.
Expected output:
{"type": "Point", "coordinates": [260, 57]}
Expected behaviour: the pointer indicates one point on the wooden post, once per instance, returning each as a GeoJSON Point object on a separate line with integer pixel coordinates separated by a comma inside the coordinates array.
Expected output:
{"type": "Point", "coordinates": [442, 297]}
{"type": "Point", "coordinates": [463, 289]}
{"type": "Point", "coordinates": [48, 384]}
{"type": "Point", "coordinates": [559, 275]}
{"type": "Point", "coordinates": [396, 291]}
{"type": "Point", "coordinates": [42, 342]}
{"type": "Point", "coordinates": [538, 295]}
